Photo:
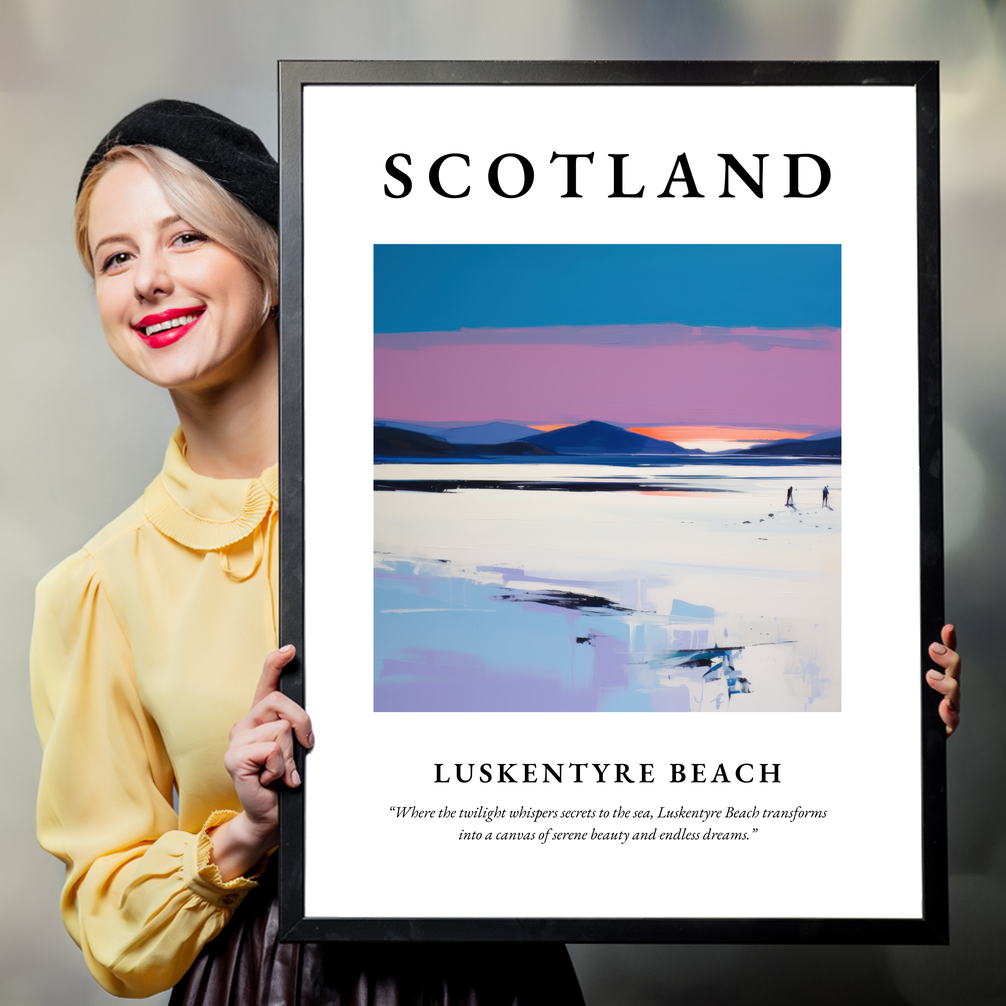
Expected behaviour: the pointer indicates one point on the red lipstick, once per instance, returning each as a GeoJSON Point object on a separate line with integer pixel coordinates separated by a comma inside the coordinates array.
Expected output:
{"type": "Point", "coordinates": [166, 327]}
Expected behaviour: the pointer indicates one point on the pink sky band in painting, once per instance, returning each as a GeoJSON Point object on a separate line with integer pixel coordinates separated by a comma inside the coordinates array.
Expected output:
{"type": "Point", "coordinates": [721, 377]}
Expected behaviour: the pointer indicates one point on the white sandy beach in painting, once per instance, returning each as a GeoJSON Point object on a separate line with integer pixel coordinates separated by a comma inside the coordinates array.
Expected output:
{"type": "Point", "coordinates": [710, 536]}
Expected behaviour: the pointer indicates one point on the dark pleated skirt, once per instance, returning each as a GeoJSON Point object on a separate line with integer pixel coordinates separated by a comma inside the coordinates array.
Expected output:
{"type": "Point", "coordinates": [246, 965]}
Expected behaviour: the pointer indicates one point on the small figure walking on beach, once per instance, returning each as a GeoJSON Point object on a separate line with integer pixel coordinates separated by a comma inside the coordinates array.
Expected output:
{"type": "Point", "coordinates": [824, 497]}
{"type": "Point", "coordinates": [789, 497]}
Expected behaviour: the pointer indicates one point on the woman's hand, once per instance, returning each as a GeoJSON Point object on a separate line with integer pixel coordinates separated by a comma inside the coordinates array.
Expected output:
{"type": "Point", "coordinates": [260, 753]}
{"type": "Point", "coordinates": [947, 682]}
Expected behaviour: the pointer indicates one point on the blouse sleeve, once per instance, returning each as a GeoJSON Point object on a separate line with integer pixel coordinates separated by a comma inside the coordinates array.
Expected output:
{"type": "Point", "coordinates": [141, 898]}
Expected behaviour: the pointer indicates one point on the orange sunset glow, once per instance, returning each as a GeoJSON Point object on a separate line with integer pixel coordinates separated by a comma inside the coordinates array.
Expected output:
{"type": "Point", "coordinates": [701, 438]}
{"type": "Point", "coordinates": [678, 434]}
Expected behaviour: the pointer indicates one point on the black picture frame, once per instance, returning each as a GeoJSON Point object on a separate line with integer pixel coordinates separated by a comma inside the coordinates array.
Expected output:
{"type": "Point", "coordinates": [932, 926]}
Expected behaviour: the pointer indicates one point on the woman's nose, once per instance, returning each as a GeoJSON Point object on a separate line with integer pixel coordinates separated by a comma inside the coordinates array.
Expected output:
{"type": "Point", "coordinates": [152, 277]}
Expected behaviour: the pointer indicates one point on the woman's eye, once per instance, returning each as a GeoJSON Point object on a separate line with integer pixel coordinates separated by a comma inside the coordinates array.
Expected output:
{"type": "Point", "coordinates": [114, 261]}
{"type": "Point", "coordinates": [190, 238]}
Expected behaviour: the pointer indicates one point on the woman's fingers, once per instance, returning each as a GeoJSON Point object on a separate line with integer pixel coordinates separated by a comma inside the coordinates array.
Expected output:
{"type": "Point", "coordinates": [278, 735]}
{"type": "Point", "coordinates": [261, 749]}
{"type": "Point", "coordinates": [947, 680]}
{"type": "Point", "coordinates": [949, 709]}
{"type": "Point", "coordinates": [277, 706]}
{"type": "Point", "coordinates": [949, 716]}
{"type": "Point", "coordinates": [947, 686]}
{"type": "Point", "coordinates": [945, 655]}
{"type": "Point", "coordinates": [949, 636]}
{"type": "Point", "coordinates": [271, 671]}
{"type": "Point", "coordinates": [274, 766]}
{"type": "Point", "coordinates": [270, 703]}
{"type": "Point", "coordinates": [259, 760]}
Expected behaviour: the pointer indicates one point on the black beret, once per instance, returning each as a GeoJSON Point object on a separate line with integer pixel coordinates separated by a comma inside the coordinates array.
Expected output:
{"type": "Point", "coordinates": [231, 154]}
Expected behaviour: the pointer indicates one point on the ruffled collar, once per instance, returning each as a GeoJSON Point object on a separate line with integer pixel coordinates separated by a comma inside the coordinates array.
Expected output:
{"type": "Point", "coordinates": [203, 513]}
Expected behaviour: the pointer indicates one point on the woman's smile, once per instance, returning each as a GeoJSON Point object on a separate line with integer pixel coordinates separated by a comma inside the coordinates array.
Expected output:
{"type": "Point", "coordinates": [166, 327]}
{"type": "Point", "coordinates": [151, 324]}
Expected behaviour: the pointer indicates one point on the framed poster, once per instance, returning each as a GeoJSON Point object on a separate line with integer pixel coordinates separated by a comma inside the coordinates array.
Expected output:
{"type": "Point", "coordinates": [611, 501]}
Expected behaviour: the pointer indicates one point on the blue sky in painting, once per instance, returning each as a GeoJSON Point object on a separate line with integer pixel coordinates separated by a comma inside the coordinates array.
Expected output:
{"type": "Point", "coordinates": [425, 288]}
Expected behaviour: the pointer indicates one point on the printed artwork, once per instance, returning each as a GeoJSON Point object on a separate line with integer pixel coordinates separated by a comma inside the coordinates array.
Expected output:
{"type": "Point", "coordinates": [607, 478]}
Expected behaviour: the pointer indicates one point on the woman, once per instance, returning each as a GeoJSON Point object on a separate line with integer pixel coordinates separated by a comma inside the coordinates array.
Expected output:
{"type": "Point", "coordinates": [149, 643]}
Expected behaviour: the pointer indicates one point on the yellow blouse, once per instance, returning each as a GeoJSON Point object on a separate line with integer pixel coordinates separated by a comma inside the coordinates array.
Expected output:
{"type": "Point", "coordinates": [147, 647]}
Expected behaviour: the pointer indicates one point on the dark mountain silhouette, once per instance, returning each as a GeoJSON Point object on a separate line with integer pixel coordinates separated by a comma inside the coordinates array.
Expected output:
{"type": "Point", "coordinates": [829, 447]}
{"type": "Point", "coordinates": [486, 433]}
{"type": "Point", "coordinates": [430, 431]}
{"type": "Point", "coordinates": [601, 438]}
{"type": "Point", "coordinates": [390, 442]}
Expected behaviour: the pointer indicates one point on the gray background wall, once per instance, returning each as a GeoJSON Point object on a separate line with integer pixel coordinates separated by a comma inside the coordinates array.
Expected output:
{"type": "Point", "coordinates": [81, 436]}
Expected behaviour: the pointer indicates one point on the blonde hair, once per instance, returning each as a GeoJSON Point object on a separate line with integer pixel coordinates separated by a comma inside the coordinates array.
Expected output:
{"type": "Point", "coordinates": [199, 200]}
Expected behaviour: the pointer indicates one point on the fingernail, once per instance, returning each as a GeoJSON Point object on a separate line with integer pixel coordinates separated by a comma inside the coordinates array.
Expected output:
{"type": "Point", "coordinates": [295, 777]}
{"type": "Point", "coordinates": [936, 676]}
{"type": "Point", "coordinates": [310, 740]}
{"type": "Point", "coordinates": [287, 649]}
{"type": "Point", "coordinates": [938, 648]}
